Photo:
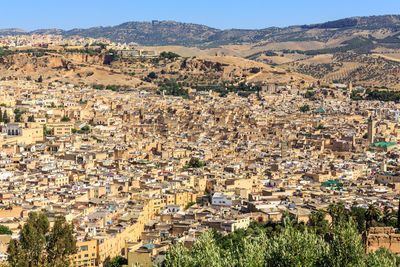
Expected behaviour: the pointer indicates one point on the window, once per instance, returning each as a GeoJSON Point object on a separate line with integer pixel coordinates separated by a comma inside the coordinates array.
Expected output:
{"type": "Point", "coordinates": [84, 248]}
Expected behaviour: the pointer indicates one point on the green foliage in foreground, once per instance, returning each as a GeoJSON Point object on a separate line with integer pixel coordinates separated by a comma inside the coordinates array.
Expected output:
{"type": "Point", "coordinates": [40, 245]}
{"type": "Point", "coordinates": [289, 245]}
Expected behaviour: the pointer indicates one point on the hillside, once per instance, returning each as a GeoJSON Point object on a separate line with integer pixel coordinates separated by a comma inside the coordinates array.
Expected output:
{"type": "Point", "coordinates": [382, 29]}
{"type": "Point", "coordinates": [173, 73]}
{"type": "Point", "coordinates": [363, 50]}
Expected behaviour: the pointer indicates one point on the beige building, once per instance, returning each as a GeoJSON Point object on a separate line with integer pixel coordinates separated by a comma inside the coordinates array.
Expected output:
{"type": "Point", "coordinates": [60, 128]}
{"type": "Point", "coordinates": [21, 133]}
{"type": "Point", "coordinates": [87, 254]}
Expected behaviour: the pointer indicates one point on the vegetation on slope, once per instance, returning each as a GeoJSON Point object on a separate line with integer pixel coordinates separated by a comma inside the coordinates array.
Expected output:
{"type": "Point", "coordinates": [319, 243]}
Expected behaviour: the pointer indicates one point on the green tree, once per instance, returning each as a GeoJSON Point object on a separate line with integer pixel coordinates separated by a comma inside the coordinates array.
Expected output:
{"type": "Point", "coordinates": [389, 217]}
{"type": "Point", "coordinates": [40, 246]}
{"type": "Point", "coordinates": [1, 116]}
{"type": "Point", "coordinates": [296, 248]}
{"type": "Point", "coordinates": [17, 115]}
{"type": "Point", "coordinates": [381, 257]}
{"type": "Point", "coordinates": [338, 213]}
{"type": "Point", "coordinates": [65, 119]}
{"type": "Point", "coordinates": [117, 262]}
{"type": "Point", "coordinates": [98, 86]}
{"type": "Point", "coordinates": [45, 131]}
{"type": "Point", "coordinates": [195, 163]}
{"type": "Point", "coordinates": [358, 216]}
{"type": "Point", "coordinates": [85, 129]}
{"type": "Point", "coordinates": [31, 118]}
{"type": "Point", "coordinates": [60, 243]}
{"type": "Point", "coordinates": [346, 246]}
{"type": "Point", "coordinates": [178, 256]}
{"type": "Point", "coordinates": [4, 230]}
{"type": "Point", "coordinates": [15, 258]}
{"type": "Point", "coordinates": [305, 108]}
{"type": "Point", "coordinates": [309, 94]}
{"type": "Point", "coordinates": [168, 55]}
{"type": "Point", "coordinates": [317, 220]}
{"type": "Point", "coordinates": [152, 75]}
{"type": "Point", "coordinates": [291, 245]}
{"type": "Point", "coordinates": [205, 252]}
{"type": "Point", "coordinates": [6, 119]}
{"type": "Point", "coordinates": [32, 241]}
{"type": "Point", "coordinates": [373, 213]}
{"type": "Point", "coordinates": [171, 87]}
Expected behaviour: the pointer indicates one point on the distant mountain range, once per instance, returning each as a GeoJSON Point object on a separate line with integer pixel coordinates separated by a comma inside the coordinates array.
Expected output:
{"type": "Point", "coordinates": [384, 30]}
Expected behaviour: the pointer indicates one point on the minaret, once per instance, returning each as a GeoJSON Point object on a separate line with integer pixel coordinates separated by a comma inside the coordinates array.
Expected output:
{"type": "Point", "coordinates": [371, 130]}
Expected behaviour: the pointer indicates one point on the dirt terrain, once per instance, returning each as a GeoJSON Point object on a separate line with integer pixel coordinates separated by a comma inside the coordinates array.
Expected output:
{"type": "Point", "coordinates": [84, 68]}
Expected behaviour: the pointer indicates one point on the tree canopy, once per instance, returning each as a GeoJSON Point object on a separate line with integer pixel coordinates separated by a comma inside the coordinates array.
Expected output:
{"type": "Point", "coordinates": [117, 262]}
{"type": "Point", "coordinates": [4, 230]}
{"type": "Point", "coordinates": [38, 245]}
{"type": "Point", "coordinates": [65, 119]}
{"type": "Point", "coordinates": [305, 108]}
{"type": "Point", "coordinates": [319, 243]}
{"type": "Point", "coordinates": [195, 163]}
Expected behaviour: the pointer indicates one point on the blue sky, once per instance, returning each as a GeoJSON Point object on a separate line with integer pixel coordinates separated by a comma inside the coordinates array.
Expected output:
{"type": "Point", "coordinates": [223, 14]}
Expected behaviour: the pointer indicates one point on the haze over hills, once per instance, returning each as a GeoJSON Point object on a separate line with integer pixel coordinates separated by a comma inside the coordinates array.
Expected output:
{"type": "Point", "coordinates": [381, 30]}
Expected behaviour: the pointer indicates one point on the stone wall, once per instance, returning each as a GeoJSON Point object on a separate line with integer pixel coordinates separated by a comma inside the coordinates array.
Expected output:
{"type": "Point", "coordinates": [378, 237]}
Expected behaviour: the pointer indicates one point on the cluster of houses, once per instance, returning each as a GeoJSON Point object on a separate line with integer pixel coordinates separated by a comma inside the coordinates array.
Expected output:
{"type": "Point", "coordinates": [136, 171]}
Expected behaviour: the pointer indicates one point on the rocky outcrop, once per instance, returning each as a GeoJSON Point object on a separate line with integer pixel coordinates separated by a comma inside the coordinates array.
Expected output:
{"type": "Point", "coordinates": [27, 62]}
{"type": "Point", "coordinates": [202, 65]}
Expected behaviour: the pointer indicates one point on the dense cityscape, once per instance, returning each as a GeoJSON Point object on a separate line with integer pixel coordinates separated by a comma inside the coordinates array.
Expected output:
{"type": "Point", "coordinates": [195, 146]}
